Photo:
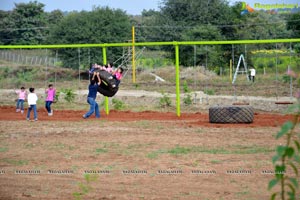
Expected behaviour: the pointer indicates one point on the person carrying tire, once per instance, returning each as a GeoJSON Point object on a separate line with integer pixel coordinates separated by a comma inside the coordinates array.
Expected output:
{"type": "Point", "coordinates": [91, 98]}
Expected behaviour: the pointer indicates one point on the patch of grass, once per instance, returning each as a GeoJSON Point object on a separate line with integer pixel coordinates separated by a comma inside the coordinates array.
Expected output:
{"type": "Point", "coordinates": [118, 104]}
{"type": "Point", "coordinates": [179, 150]}
{"type": "Point", "coordinates": [238, 150]}
{"type": "Point", "coordinates": [144, 124]}
{"type": "Point", "coordinates": [199, 131]}
{"type": "Point", "coordinates": [154, 154]}
{"type": "Point", "coordinates": [101, 150]}
{"type": "Point", "coordinates": [28, 146]}
{"type": "Point", "coordinates": [165, 101]}
{"type": "Point", "coordinates": [15, 162]}
{"type": "Point", "coordinates": [216, 161]}
{"type": "Point", "coordinates": [57, 146]}
{"type": "Point", "coordinates": [3, 149]}
{"type": "Point", "coordinates": [209, 91]}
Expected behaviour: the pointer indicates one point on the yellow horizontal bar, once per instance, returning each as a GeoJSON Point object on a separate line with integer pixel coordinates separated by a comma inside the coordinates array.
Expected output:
{"type": "Point", "coordinates": [54, 46]}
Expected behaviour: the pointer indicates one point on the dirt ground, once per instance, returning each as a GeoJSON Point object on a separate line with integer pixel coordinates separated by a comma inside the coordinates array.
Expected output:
{"type": "Point", "coordinates": [135, 155]}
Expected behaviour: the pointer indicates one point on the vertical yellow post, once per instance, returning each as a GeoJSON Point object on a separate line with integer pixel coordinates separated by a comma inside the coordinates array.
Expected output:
{"type": "Point", "coordinates": [230, 70]}
{"type": "Point", "coordinates": [104, 63]}
{"type": "Point", "coordinates": [177, 79]}
{"type": "Point", "coordinates": [133, 55]}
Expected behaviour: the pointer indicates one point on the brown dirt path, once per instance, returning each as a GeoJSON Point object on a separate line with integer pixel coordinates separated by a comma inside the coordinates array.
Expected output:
{"type": "Point", "coordinates": [7, 113]}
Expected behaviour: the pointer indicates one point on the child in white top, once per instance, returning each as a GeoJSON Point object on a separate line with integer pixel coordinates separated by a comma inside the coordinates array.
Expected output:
{"type": "Point", "coordinates": [32, 99]}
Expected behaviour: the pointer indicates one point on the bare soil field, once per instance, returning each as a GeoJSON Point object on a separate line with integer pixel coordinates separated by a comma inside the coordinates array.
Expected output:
{"type": "Point", "coordinates": [135, 155]}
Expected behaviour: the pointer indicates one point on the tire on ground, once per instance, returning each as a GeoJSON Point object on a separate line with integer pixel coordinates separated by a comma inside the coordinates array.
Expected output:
{"type": "Point", "coordinates": [231, 114]}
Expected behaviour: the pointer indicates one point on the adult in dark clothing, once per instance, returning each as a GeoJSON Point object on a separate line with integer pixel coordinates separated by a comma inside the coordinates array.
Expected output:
{"type": "Point", "coordinates": [91, 98]}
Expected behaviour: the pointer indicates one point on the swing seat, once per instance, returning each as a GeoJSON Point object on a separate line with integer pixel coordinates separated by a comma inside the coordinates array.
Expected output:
{"type": "Point", "coordinates": [283, 102]}
{"type": "Point", "coordinates": [108, 86]}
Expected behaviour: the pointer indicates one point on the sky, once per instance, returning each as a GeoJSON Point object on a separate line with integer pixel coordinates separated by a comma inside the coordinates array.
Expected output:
{"type": "Point", "coordinates": [133, 7]}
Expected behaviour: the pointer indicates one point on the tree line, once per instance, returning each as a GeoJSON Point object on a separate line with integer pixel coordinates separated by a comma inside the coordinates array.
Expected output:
{"type": "Point", "coordinates": [176, 20]}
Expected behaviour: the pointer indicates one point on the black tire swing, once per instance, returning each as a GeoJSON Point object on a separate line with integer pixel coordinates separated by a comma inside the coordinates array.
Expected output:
{"type": "Point", "coordinates": [108, 86]}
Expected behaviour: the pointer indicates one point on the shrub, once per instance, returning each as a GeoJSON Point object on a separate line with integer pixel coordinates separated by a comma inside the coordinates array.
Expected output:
{"type": "Point", "coordinates": [187, 99]}
{"type": "Point", "coordinates": [69, 95]}
{"type": "Point", "coordinates": [165, 100]}
{"type": "Point", "coordinates": [287, 157]}
{"type": "Point", "coordinates": [118, 104]}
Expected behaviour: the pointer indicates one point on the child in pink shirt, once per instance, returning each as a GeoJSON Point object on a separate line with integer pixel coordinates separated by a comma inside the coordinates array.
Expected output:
{"type": "Point", "coordinates": [22, 94]}
{"type": "Point", "coordinates": [108, 68]}
{"type": "Point", "coordinates": [50, 98]}
{"type": "Point", "coordinates": [118, 74]}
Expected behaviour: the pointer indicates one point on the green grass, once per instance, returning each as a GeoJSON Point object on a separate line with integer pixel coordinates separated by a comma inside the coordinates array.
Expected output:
{"type": "Point", "coordinates": [15, 162]}
{"type": "Point", "coordinates": [237, 150]}
{"type": "Point", "coordinates": [101, 150]}
{"type": "Point", "coordinates": [3, 149]}
{"type": "Point", "coordinates": [179, 150]}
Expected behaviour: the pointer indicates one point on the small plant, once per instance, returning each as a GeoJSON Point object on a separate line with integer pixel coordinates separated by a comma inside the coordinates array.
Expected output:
{"type": "Point", "coordinates": [288, 155]}
{"type": "Point", "coordinates": [209, 91]}
{"type": "Point", "coordinates": [69, 95]}
{"type": "Point", "coordinates": [287, 79]}
{"type": "Point", "coordinates": [118, 104]}
{"type": "Point", "coordinates": [187, 96]}
{"type": "Point", "coordinates": [57, 94]}
{"type": "Point", "coordinates": [85, 188]}
{"type": "Point", "coordinates": [165, 100]}
{"type": "Point", "coordinates": [187, 100]}
{"type": "Point", "coordinates": [186, 88]}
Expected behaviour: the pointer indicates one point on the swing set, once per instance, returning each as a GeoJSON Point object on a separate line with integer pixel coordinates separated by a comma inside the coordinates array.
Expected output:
{"type": "Point", "coordinates": [142, 44]}
{"type": "Point", "coordinates": [245, 70]}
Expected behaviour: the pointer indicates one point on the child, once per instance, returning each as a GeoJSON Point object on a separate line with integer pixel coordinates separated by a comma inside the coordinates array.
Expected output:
{"type": "Point", "coordinates": [95, 67]}
{"type": "Point", "coordinates": [20, 102]}
{"type": "Point", "coordinates": [118, 74]}
{"type": "Point", "coordinates": [91, 98]}
{"type": "Point", "coordinates": [108, 68]}
{"type": "Point", "coordinates": [32, 99]}
{"type": "Point", "coordinates": [50, 98]}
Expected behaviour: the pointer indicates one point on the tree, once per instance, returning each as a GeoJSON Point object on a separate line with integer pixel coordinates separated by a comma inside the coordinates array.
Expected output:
{"type": "Point", "coordinates": [101, 25]}
{"type": "Point", "coordinates": [4, 31]}
{"type": "Point", "coordinates": [26, 24]}
{"type": "Point", "coordinates": [293, 24]}
{"type": "Point", "coordinates": [181, 20]}
{"type": "Point", "coordinates": [204, 54]}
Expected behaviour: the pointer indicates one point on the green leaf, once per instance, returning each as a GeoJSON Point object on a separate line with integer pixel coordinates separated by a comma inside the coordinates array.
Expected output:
{"type": "Point", "coordinates": [294, 168]}
{"type": "Point", "coordinates": [272, 183]}
{"type": "Point", "coordinates": [289, 152]}
{"type": "Point", "coordinates": [285, 128]}
{"type": "Point", "coordinates": [273, 196]}
{"type": "Point", "coordinates": [281, 150]}
{"type": "Point", "coordinates": [275, 158]}
{"type": "Point", "coordinates": [291, 195]}
{"type": "Point", "coordinates": [279, 171]}
{"type": "Point", "coordinates": [297, 158]}
{"type": "Point", "coordinates": [294, 181]}
{"type": "Point", "coordinates": [297, 144]}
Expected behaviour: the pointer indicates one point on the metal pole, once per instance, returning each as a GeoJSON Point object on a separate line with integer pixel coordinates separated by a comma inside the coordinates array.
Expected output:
{"type": "Point", "coordinates": [104, 63]}
{"type": "Point", "coordinates": [177, 79]}
{"type": "Point", "coordinates": [78, 67]}
{"type": "Point", "coordinates": [56, 55]}
{"type": "Point", "coordinates": [291, 79]}
{"type": "Point", "coordinates": [46, 75]}
{"type": "Point", "coordinates": [133, 55]}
